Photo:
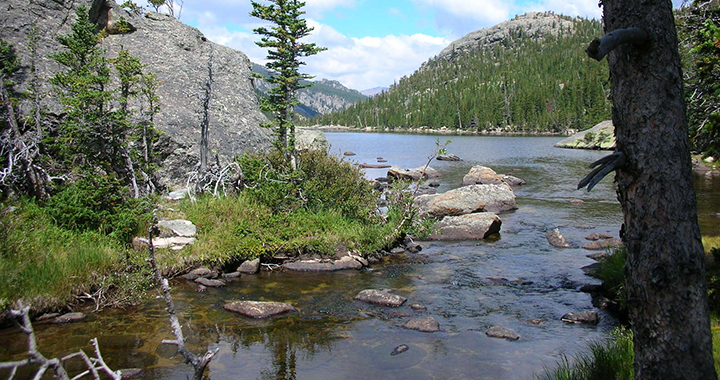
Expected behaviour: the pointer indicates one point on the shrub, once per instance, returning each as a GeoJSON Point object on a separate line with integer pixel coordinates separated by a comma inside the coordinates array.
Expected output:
{"type": "Point", "coordinates": [98, 203]}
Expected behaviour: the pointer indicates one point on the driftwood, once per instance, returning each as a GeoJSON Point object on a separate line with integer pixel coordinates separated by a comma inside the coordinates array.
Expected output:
{"type": "Point", "coordinates": [199, 363]}
{"type": "Point", "coordinates": [599, 48]}
{"type": "Point", "coordinates": [96, 366]}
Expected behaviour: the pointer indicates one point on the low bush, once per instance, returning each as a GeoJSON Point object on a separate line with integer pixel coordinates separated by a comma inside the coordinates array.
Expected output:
{"type": "Point", "coordinates": [98, 203]}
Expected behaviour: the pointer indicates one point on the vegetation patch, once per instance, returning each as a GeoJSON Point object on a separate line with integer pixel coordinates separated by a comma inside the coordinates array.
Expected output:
{"type": "Point", "coordinates": [612, 359]}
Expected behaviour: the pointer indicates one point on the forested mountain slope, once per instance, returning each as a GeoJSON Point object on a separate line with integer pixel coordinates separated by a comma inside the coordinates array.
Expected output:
{"type": "Point", "coordinates": [527, 74]}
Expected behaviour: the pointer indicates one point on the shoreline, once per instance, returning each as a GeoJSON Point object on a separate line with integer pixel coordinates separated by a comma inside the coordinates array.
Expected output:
{"type": "Point", "coordinates": [432, 131]}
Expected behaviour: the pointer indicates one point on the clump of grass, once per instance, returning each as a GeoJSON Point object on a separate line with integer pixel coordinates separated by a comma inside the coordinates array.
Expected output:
{"type": "Point", "coordinates": [47, 264]}
{"type": "Point", "coordinates": [612, 274]}
{"type": "Point", "coordinates": [612, 359]}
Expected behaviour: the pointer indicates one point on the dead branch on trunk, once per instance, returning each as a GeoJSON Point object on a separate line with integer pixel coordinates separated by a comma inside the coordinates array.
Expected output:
{"type": "Point", "coordinates": [599, 48]}
{"type": "Point", "coordinates": [199, 363]}
{"type": "Point", "coordinates": [95, 365]}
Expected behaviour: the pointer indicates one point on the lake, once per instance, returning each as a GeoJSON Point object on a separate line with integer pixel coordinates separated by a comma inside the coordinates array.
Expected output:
{"type": "Point", "coordinates": [466, 286]}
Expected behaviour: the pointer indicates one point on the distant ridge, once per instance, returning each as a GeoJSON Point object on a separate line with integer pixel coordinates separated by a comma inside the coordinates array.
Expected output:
{"type": "Point", "coordinates": [324, 97]}
{"type": "Point", "coordinates": [526, 75]}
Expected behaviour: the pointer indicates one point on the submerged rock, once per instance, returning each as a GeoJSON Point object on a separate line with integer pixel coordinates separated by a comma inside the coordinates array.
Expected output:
{"type": "Point", "coordinates": [428, 325]}
{"type": "Point", "coordinates": [501, 333]}
{"type": "Point", "coordinates": [70, 318]}
{"type": "Point", "coordinates": [556, 239]}
{"type": "Point", "coordinates": [380, 297]}
{"type": "Point", "coordinates": [512, 180]}
{"type": "Point", "coordinates": [399, 349]}
{"type": "Point", "coordinates": [258, 309]}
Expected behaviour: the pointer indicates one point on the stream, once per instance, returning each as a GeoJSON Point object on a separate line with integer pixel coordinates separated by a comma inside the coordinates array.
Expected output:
{"type": "Point", "coordinates": [466, 286]}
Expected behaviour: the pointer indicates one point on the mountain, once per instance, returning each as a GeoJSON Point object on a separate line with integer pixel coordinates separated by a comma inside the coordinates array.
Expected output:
{"type": "Point", "coordinates": [370, 92]}
{"type": "Point", "coordinates": [323, 97]}
{"type": "Point", "coordinates": [178, 54]}
{"type": "Point", "coordinates": [529, 74]}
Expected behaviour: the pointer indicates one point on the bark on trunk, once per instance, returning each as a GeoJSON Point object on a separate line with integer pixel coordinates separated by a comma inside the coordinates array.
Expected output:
{"type": "Point", "coordinates": [665, 270]}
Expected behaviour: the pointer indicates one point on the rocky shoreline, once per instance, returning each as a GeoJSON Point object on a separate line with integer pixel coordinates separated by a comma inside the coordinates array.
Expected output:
{"type": "Point", "coordinates": [433, 131]}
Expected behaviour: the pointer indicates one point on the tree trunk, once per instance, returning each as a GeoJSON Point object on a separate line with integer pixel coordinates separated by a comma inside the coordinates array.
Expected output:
{"type": "Point", "coordinates": [665, 270]}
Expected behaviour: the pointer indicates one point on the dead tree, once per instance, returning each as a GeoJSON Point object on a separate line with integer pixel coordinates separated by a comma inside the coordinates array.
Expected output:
{"type": "Point", "coordinates": [96, 366]}
{"type": "Point", "coordinates": [199, 363]}
{"type": "Point", "coordinates": [665, 269]}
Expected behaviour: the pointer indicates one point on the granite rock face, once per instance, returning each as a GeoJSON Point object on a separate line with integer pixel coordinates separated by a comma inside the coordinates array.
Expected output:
{"type": "Point", "coordinates": [180, 56]}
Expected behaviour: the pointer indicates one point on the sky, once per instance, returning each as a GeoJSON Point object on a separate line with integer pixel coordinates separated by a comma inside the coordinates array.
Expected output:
{"type": "Point", "coordinates": [370, 43]}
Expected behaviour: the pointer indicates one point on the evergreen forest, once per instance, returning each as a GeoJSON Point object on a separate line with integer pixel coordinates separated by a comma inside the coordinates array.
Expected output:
{"type": "Point", "coordinates": [522, 83]}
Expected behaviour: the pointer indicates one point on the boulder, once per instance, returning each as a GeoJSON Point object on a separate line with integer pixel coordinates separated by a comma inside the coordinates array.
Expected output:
{"type": "Point", "coordinates": [70, 318]}
{"type": "Point", "coordinates": [428, 325]}
{"type": "Point", "coordinates": [447, 157]}
{"type": "Point", "coordinates": [344, 263]}
{"type": "Point", "coordinates": [603, 244]}
{"type": "Point", "coordinates": [258, 309]}
{"type": "Point", "coordinates": [249, 266]}
{"type": "Point", "coordinates": [175, 242]}
{"type": "Point", "coordinates": [501, 333]}
{"type": "Point", "coordinates": [512, 180]}
{"type": "Point", "coordinates": [349, 153]}
{"type": "Point", "coordinates": [210, 283]}
{"type": "Point", "coordinates": [177, 194]}
{"type": "Point", "coordinates": [466, 200]}
{"type": "Point", "coordinates": [474, 226]}
{"type": "Point", "coordinates": [396, 172]}
{"type": "Point", "coordinates": [200, 272]}
{"type": "Point", "coordinates": [380, 297]}
{"type": "Point", "coordinates": [601, 136]}
{"type": "Point", "coordinates": [481, 175]}
{"type": "Point", "coordinates": [586, 317]}
{"type": "Point", "coordinates": [178, 54]}
{"type": "Point", "coordinates": [178, 227]}
{"type": "Point", "coordinates": [556, 239]}
{"type": "Point", "coordinates": [310, 139]}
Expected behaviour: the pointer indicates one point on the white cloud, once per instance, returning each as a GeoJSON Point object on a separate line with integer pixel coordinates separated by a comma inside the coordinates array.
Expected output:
{"type": "Point", "coordinates": [368, 62]}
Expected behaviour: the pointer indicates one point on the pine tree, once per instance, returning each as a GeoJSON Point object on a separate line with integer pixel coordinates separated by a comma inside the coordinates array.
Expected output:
{"type": "Point", "coordinates": [285, 51]}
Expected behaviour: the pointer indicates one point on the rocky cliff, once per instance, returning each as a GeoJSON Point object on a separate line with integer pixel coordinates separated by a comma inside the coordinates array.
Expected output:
{"type": "Point", "coordinates": [183, 59]}
{"type": "Point", "coordinates": [533, 24]}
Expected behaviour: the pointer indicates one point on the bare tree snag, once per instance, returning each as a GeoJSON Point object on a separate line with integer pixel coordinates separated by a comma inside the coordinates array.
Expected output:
{"type": "Point", "coordinates": [665, 269]}
{"type": "Point", "coordinates": [95, 365]}
{"type": "Point", "coordinates": [199, 363]}
{"type": "Point", "coordinates": [599, 48]}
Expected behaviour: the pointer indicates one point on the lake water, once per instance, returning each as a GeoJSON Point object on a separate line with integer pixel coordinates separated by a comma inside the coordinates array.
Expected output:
{"type": "Point", "coordinates": [467, 286]}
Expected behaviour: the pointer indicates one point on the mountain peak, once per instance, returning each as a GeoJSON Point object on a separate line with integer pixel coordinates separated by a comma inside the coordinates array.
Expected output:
{"type": "Point", "coordinates": [532, 24]}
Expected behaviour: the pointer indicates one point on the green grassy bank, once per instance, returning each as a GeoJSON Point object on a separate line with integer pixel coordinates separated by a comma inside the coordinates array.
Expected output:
{"type": "Point", "coordinates": [69, 248]}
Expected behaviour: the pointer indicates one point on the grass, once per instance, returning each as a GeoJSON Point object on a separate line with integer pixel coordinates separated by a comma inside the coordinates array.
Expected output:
{"type": "Point", "coordinates": [56, 251]}
{"type": "Point", "coordinates": [46, 264]}
{"type": "Point", "coordinates": [610, 360]}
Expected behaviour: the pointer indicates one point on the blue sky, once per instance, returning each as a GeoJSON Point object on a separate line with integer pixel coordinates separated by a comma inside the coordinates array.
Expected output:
{"type": "Point", "coordinates": [371, 43]}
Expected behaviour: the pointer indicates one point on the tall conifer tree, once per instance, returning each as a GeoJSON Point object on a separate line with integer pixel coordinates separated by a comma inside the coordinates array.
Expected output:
{"type": "Point", "coordinates": [285, 51]}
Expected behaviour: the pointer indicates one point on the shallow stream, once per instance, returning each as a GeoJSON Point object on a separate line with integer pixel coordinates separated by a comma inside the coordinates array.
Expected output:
{"type": "Point", "coordinates": [467, 286]}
